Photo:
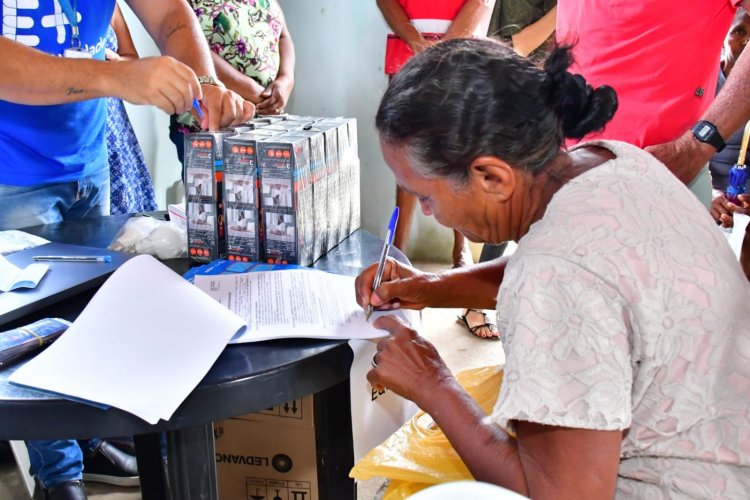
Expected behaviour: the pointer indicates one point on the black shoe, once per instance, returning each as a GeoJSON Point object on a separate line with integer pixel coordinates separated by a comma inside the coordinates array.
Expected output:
{"type": "Point", "coordinates": [124, 444]}
{"type": "Point", "coordinates": [70, 490]}
{"type": "Point", "coordinates": [107, 464]}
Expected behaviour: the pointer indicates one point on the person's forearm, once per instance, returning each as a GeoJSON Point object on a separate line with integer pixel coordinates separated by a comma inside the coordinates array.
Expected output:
{"type": "Point", "coordinates": [398, 21]}
{"type": "Point", "coordinates": [176, 31]}
{"type": "Point", "coordinates": [534, 35]}
{"type": "Point", "coordinates": [125, 46]}
{"type": "Point", "coordinates": [65, 80]}
{"type": "Point", "coordinates": [468, 19]}
{"type": "Point", "coordinates": [489, 453]}
{"type": "Point", "coordinates": [286, 54]}
{"type": "Point", "coordinates": [472, 286]}
{"type": "Point", "coordinates": [730, 110]}
{"type": "Point", "coordinates": [245, 86]}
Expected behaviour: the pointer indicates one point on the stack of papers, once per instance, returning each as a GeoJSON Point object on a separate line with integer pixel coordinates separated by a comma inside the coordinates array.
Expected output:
{"type": "Point", "coordinates": [149, 336]}
{"type": "Point", "coordinates": [300, 303]}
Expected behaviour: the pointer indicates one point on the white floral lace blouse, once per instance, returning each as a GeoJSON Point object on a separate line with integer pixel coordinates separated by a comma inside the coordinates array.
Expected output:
{"type": "Point", "coordinates": [625, 308]}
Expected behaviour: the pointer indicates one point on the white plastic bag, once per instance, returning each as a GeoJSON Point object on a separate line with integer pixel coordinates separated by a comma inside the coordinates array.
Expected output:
{"type": "Point", "coordinates": [147, 235]}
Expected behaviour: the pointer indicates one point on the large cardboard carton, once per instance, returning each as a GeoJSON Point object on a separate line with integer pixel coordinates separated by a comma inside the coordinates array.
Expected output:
{"type": "Point", "coordinates": [269, 455]}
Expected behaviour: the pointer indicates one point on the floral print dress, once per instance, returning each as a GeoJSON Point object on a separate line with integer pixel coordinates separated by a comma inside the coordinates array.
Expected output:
{"type": "Point", "coordinates": [245, 33]}
{"type": "Point", "coordinates": [130, 181]}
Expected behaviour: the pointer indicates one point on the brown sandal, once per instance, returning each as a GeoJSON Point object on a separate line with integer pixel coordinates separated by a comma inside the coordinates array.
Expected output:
{"type": "Point", "coordinates": [473, 329]}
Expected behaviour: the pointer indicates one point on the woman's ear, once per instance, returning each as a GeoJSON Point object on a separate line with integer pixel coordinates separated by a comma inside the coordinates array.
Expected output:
{"type": "Point", "coordinates": [493, 176]}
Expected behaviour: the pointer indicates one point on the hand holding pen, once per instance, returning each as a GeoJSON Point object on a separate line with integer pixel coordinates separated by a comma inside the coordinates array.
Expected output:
{"type": "Point", "coordinates": [383, 256]}
{"type": "Point", "coordinates": [401, 287]}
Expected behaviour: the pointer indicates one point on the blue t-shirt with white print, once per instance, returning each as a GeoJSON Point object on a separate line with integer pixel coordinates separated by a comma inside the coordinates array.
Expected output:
{"type": "Point", "coordinates": [59, 143]}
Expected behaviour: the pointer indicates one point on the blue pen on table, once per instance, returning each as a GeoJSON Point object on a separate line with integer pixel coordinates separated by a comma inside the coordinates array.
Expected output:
{"type": "Point", "coordinates": [72, 258]}
{"type": "Point", "coordinates": [197, 107]}
{"type": "Point", "coordinates": [384, 256]}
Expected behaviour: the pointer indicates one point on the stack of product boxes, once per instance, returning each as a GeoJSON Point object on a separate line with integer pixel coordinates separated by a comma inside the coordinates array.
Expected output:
{"type": "Point", "coordinates": [241, 204]}
{"type": "Point", "coordinates": [318, 174]}
{"type": "Point", "coordinates": [286, 199]}
{"type": "Point", "coordinates": [330, 183]}
{"type": "Point", "coordinates": [278, 189]}
{"type": "Point", "coordinates": [204, 194]}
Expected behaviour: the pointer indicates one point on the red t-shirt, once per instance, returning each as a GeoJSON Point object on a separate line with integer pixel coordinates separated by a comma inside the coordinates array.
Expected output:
{"type": "Point", "coordinates": [661, 56]}
{"type": "Point", "coordinates": [431, 17]}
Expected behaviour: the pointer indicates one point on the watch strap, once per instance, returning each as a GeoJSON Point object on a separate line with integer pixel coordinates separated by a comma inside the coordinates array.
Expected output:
{"type": "Point", "coordinates": [209, 80]}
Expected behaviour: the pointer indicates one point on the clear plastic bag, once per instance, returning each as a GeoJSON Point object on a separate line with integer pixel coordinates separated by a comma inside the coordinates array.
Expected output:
{"type": "Point", "coordinates": [147, 235]}
{"type": "Point", "coordinates": [419, 455]}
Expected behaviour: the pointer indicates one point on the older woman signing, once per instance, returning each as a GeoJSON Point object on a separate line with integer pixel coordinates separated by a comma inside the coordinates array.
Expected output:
{"type": "Point", "coordinates": [624, 315]}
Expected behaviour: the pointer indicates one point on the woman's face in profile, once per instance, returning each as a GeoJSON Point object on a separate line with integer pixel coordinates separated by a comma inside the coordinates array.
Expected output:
{"type": "Point", "coordinates": [458, 208]}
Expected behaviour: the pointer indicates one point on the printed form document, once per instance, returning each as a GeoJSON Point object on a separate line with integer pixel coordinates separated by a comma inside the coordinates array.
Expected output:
{"type": "Point", "coordinates": [293, 304]}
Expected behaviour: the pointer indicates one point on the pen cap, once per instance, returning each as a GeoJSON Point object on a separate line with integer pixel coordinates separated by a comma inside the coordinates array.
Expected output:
{"type": "Point", "coordinates": [392, 226]}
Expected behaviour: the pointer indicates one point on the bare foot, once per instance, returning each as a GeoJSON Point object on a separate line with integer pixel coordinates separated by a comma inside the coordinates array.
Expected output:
{"type": "Point", "coordinates": [478, 324]}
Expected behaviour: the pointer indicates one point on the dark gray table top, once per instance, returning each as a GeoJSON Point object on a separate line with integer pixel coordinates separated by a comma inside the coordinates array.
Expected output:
{"type": "Point", "coordinates": [245, 378]}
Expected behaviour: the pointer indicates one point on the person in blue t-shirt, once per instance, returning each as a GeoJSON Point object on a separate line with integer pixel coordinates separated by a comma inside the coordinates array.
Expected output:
{"type": "Point", "coordinates": [53, 159]}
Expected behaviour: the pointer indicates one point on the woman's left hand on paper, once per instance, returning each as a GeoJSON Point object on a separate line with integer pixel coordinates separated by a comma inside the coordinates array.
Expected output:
{"type": "Point", "coordinates": [406, 363]}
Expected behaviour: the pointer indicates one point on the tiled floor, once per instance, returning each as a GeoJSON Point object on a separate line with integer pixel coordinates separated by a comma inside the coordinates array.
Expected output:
{"type": "Point", "coordinates": [459, 349]}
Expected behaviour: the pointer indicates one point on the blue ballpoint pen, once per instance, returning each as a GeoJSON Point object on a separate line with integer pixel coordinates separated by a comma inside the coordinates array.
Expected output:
{"type": "Point", "coordinates": [384, 256]}
{"type": "Point", "coordinates": [71, 258]}
{"type": "Point", "coordinates": [197, 107]}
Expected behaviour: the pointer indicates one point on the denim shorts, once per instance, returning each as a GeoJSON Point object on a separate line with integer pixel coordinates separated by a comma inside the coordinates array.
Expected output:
{"type": "Point", "coordinates": [24, 206]}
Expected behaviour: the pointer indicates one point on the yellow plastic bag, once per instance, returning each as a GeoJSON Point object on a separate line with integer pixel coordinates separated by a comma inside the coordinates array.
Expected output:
{"type": "Point", "coordinates": [419, 455]}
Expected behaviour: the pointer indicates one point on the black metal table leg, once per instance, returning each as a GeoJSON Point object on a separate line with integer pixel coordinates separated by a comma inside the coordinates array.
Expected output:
{"type": "Point", "coordinates": [150, 466]}
{"type": "Point", "coordinates": [334, 443]}
{"type": "Point", "coordinates": [191, 463]}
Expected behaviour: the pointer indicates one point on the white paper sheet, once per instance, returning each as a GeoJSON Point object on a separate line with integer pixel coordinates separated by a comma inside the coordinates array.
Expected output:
{"type": "Point", "coordinates": [142, 344]}
{"type": "Point", "coordinates": [13, 240]}
{"type": "Point", "coordinates": [738, 232]}
{"type": "Point", "coordinates": [294, 303]}
{"type": "Point", "coordinates": [13, 277]}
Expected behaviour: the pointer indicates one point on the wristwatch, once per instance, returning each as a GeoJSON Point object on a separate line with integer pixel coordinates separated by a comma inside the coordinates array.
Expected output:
{"type": "Point", "coordinates": [209, 80]}
{"type": "Point", "coordinates": [705, 131]}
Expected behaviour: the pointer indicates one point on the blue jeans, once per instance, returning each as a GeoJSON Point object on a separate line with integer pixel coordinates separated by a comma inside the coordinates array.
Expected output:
{"type": "Point", "coordinates": [56, 462]}
{"type": "Point", "coordinates": [24, 206]}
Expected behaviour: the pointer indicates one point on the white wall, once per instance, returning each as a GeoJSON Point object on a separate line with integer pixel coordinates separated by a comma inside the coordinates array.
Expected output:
{"type": "Point", "coordinates": [339, 72]}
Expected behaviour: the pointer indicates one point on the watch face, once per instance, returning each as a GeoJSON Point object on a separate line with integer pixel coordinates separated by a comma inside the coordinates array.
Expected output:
{"type": "Point", "coordinates": [703, 130]}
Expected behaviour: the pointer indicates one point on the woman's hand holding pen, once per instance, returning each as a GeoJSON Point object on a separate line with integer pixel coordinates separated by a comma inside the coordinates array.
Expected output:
{"type": "Point", "coordinates": [402, 286]}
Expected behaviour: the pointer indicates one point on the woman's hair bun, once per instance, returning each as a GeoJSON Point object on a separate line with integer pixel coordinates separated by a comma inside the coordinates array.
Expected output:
{"type": "Point", "coordinates": [581, 108]}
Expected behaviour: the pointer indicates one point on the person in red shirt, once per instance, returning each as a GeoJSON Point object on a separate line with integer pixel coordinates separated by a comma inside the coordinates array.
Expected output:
{"type": "Point", "coordinates": [662, 58]}
{"type": "Point", "coordinates": [415, 25]}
